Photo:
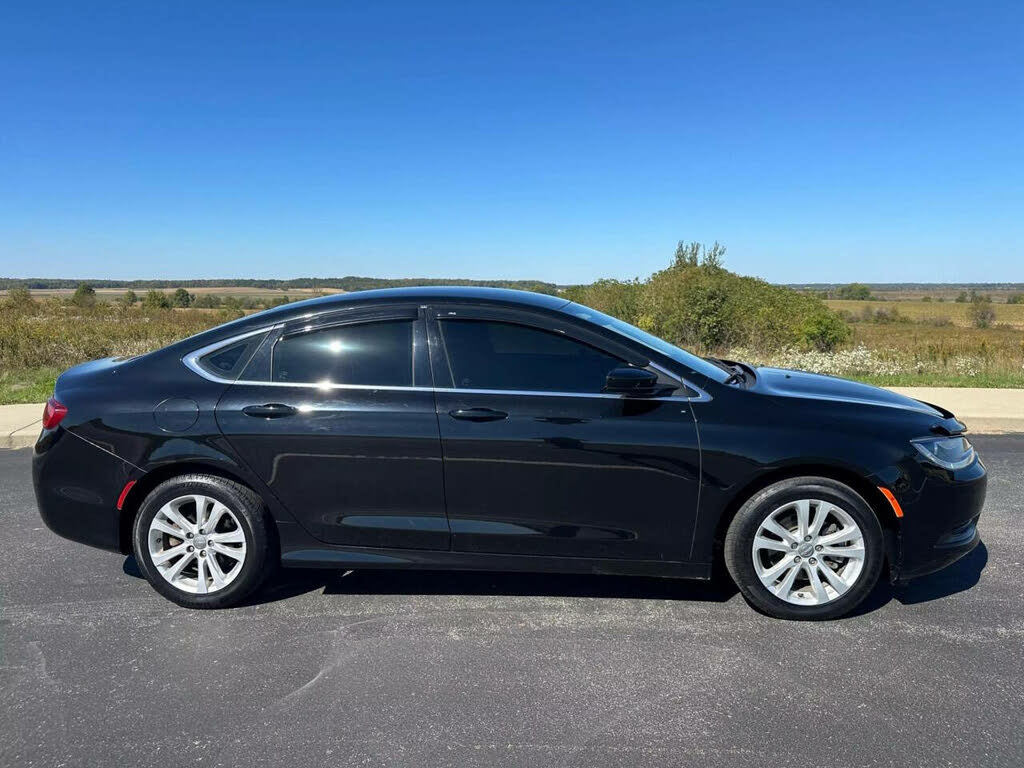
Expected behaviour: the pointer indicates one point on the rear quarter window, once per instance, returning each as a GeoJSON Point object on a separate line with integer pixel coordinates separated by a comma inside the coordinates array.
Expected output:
{"type": "Point", "coordinates": [229, 362]}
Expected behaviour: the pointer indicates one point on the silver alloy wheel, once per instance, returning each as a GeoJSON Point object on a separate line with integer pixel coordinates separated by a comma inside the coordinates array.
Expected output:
{"type": "Point", "coordinates": [197, 544]}
{"type": "Point", "coordinates": [808, 552]}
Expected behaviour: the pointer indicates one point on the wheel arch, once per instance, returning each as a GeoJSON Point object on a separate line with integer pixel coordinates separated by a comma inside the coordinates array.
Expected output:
{"type": "Point", "coordinates": [858, 482]}
{"type": "Point", "coordinates": [144, 484]}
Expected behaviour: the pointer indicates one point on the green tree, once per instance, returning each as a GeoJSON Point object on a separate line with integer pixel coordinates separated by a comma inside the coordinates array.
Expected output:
{"type": "Point", "coordinates": [962, 298]}
{"type": "Point", "coordinates": [697, 254]}
{"type": "Point", "coordinates": [687, 255]}
{"type": "Point", "coordinates": [85, 295]}
{"type": "Point", "coordinates": [182, 298]}
{"type": "Point", "coordinates": [156, 300]}
{"type": "Point", "coordinates": [128, 298]}
{"type": "Point", "coordinates": [854, 291]}
{"type": "Point", "coordinates": [1015, 298]}
{"type": "Point", "coordinates": [713, 257]}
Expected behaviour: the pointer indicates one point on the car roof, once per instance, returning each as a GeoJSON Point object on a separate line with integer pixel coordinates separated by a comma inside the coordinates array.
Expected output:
{"type": "Point", "coordinates": [440, 293]}
{"type": "Point", "coordinates": [418, 294]}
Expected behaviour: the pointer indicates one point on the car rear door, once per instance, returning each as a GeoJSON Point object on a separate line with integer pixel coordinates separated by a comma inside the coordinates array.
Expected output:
{"type": "Point", "coordinates": [336, 415]}
{"type": "Point", "coordinates": [538, 461]}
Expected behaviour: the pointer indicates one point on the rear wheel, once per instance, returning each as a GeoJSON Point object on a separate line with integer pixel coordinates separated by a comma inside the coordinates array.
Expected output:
{"type": "Point", "coordinates": [201, 541]}
{"type": "Point", "coordinates": [805, 548]}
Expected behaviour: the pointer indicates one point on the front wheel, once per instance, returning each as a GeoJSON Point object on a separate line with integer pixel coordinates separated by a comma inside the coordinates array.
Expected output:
{"type": "Point", "coordinates": [201, 541]}
{"type": "Point", "coordinates": [805, 548]}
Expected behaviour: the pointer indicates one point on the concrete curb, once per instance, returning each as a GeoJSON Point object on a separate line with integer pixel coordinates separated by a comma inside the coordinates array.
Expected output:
{"type": "Point", "coordinates": [984, 411]}
{"type": "Point", "coordinates": [20, 424]}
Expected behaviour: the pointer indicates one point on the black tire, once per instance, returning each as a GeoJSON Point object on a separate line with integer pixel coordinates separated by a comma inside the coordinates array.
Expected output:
{"type": "Point", "coordinates": [247, 508]}
{"type": "Point", "coordinates": [739, 543]}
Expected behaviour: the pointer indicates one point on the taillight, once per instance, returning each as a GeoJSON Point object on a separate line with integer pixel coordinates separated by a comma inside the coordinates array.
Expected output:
{"type": "Point", "coordinates": [53, 413]}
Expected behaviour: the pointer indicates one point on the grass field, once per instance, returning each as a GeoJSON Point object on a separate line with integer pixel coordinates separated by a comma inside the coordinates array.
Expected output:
{"type": "Point", "coordinates": [40, 340]}
{"type": "Point", "coordinates": [911, 354]}
{"type": "Point", "coordinates": [929, 311]}
{"type": "Point", "coordinates": [113, 294]}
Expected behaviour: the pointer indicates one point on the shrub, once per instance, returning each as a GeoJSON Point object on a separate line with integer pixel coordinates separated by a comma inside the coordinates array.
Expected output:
{"type": "Point", "coordinates": [619, 299]}
{"type": "Point", "coordinates": [57, 334]}
{"type": "Point", "coordinates": [857, 291]}
{"type": "Point", "coordinates": [1015, 298]}
{"type": "Point", "coordinates": [206, 301]}
{"type": "Point", "coordinates": [824, 332]}
{"type": "Point", "coordinates": [182, 298]}
{"type": "Point", "coordinates": [20, 297]}
{"type": "Point", "coordinates": [981, 312]}
{"type": "Point", "coordinates": [892, 315]}
{"type": "Point", "coordinates": [85, 295]}
{"type": "Point", "coordinates": [707, 307]}
{"type": "Point", "coordinates": [156, 300]}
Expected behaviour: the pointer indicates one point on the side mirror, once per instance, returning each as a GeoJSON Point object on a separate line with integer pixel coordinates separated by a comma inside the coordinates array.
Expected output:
{"type": "Point", "coordinates": [631, 381]}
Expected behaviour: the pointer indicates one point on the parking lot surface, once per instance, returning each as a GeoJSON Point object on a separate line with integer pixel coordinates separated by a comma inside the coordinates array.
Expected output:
{"type": "Point", "coordinates": [435, 669]}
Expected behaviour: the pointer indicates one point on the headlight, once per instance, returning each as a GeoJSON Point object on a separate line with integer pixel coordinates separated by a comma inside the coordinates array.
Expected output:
{"type": "Point", "coordinates": [946, 452]}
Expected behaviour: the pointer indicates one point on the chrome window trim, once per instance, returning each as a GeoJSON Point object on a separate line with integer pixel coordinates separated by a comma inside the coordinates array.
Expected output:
{"type": "Point", "coordinates": [543, 393]}
{"type": "Point", "coordinates": [191, 360]}
{"type": "Point", "coordinates": [702, 396]}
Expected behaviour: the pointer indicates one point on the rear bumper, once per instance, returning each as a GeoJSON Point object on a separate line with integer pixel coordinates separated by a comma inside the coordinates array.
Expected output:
{"type": "Point", "coordinates": [77, 487]}
{"type": "Point", "coordinates": [940, 522]}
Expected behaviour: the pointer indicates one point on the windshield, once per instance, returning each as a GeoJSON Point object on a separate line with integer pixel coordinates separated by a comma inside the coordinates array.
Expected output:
{"type": "Point", "coordinates": [691, 361]}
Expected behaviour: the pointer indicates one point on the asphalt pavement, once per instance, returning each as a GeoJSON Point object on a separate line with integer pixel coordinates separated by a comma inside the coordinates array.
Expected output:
{"type": "Point", "coordinates": [416, 669]}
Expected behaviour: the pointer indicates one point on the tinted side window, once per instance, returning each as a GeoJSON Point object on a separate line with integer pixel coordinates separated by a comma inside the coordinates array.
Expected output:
{"type": "Point", "coordinates": [493, 355]}
{"type": "Point", "coordinates": [374, 354]}
{"type": "Point", "coordinates": [228, 362]}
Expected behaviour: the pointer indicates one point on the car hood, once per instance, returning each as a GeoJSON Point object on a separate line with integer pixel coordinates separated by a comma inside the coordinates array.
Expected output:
{"type": "Point", "coordinates": [786, 383]}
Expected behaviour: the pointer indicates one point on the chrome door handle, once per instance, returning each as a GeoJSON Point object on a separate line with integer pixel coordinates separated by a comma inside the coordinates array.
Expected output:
{"type": "Point", "coordinates": [269, 410]}
{"type": "Point", "coordinates": [477, 414]}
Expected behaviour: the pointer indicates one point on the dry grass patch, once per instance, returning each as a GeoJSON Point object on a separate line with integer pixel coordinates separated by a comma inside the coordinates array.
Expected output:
{"type": "Point", "coordinates": [931, 311]}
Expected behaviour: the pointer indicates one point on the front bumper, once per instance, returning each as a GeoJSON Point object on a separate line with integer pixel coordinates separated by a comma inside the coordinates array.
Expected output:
{"type": "Point", "coordinates": [77, 485]}
{"type": "Point", "coordinates": [941, 509]}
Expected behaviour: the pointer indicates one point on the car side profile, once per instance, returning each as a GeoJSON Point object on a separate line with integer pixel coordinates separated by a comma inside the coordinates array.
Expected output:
{"type": "Point", "coordinates": [474, 428]}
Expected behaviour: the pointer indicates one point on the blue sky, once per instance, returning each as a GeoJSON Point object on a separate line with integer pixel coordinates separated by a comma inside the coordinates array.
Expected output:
{"type": "Point", "coordinates": [819, 141]}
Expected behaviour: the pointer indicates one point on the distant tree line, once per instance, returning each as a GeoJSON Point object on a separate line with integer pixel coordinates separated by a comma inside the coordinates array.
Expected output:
{"type": "Point", "coordinates": [311, 283]}
{"type": "Point", "coordinates": [915, 287]}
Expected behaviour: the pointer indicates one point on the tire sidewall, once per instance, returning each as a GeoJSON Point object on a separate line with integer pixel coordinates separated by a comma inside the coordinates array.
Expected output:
{"type": "Point", "coordinates": [249, 518]}
{"type": "Point", "coordinates": [740, 539]}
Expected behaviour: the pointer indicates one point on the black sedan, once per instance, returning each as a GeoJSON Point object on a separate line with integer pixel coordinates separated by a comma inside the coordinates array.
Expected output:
{"type": "Point", "coordinates": [467, 428]}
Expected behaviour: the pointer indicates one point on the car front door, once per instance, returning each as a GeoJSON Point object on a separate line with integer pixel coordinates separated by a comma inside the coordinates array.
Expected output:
{"type": "Point", "coordinates": [538, 460]}
{"type": "Point", "coordinates": [336, 415]}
